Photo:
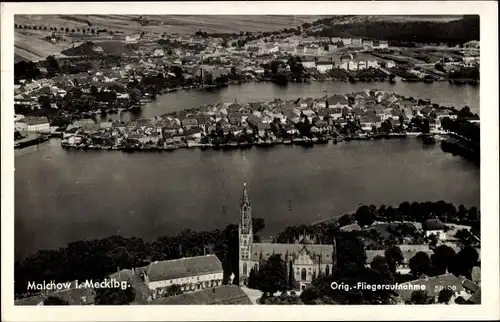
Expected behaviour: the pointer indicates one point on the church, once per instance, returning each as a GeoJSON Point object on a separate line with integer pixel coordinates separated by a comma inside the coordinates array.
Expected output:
{"type": "Point", "coordinates": [304, 258]}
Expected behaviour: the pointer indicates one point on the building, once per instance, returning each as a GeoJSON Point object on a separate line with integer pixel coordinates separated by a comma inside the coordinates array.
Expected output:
{"type": "Point", "coordinates": [191, 273]}
{"type": "Point", "coordinates": [434, 227]}
{"type": "Point", "coordinates": [357, 42]}
{"type": "Point", "coordinates": [309, 63]}
{"type": "Point", "coordinates": [304, 258]}
{"type": "Point", "coordinates": [324, 66]}
{"type": "Point", "coordinates": [158, 53]}
{"type": "Point", "coordinates": [368, 43]}
{"type": "Point", "coordinates": [352, 65]}
{"type": "Point", "coordinates": [37, 124]}
{"type": "Point", "coordinates": [347, 41]}
{"type": "Point", "coordinates": [223, 295]}
{"type": "Point", "coordinates": [384, 44]}
{"type": "Point", "coordinates": [390, 64]}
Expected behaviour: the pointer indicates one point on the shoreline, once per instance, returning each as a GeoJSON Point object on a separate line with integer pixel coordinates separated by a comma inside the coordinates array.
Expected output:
{"type": "Point", "coordinates": [306, 142]}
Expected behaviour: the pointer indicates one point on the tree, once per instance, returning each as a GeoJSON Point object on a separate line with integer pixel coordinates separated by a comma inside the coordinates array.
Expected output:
{"type": "Point", "coordinates": [291, 277]}
{"type": "Point", "coordinates": [252, 279]}
{"type": "Point", "coordinates": [364, 216]}
{"type": "Point", "coordinates": [442, 258]}
{"type": "Point", "coordinates": [394, 258]}
{"type": "Point", "coordinates": [419, 297]}
{"type": "Point", "coordinates": [272, 275]}
{"type": "Point", "coordinates": [173, 290]}
{"type": "Point", "coordinates": [464, 261]}
{"type": "Point", "coordinates": [52, 65]}
{"type": "Point", "coordinates": [380, 264]}
{"type": "Point", "coordinates": [445, 296]}
{"type": "Point", "coordinates": [420, 264]}
{"type": "Point", "coordinates": [464, 236]}
{"type": "Point", "coordinates": [433, 239]}
{"type": "Point", "coordinates": [351, 254]}
{"type": "Point", "coordinates": [55, 300]}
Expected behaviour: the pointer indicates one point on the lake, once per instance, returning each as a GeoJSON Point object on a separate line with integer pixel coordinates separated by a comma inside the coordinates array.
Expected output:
{"type": "Point", "coordinates": [67, 195]}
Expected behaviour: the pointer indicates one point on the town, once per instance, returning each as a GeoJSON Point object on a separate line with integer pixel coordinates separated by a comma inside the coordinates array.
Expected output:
{"type": "Point", "coordinates": [108, 72]}
{"type": "Point", "coordinates": [79, 94]}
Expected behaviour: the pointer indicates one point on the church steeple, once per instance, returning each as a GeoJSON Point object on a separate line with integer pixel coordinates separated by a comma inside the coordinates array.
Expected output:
{"type": "Point", "coordinates": [245, 233]}
{"type": "Point", "coordinates": [246, 211]}
{"type": "Point", "coordinates": [244, 197]}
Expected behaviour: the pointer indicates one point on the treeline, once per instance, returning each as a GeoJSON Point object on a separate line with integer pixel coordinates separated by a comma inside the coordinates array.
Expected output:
{"type": "Point", "coordinates": [463, 128]}
{"type": "Point", "coordinates": [95, 259]}
{"type": "Point", "coordinates": [366, 215]}
{"type": "Point", "coordinates": [453, 32]}
{"type": "Point", "coordinates": [61, 29]}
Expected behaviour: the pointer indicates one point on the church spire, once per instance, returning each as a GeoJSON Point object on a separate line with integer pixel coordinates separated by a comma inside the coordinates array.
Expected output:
{"type": "Point", "coordinates": [245, 201]}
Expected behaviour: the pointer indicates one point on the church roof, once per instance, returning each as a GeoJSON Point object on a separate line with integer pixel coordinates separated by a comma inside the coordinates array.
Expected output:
{"type": "Point", "coordinates": [262, 251]}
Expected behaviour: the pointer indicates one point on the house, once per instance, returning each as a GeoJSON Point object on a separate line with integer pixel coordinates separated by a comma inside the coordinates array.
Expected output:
{"type": "Point", "coordinates": [343, 65]}
{"type": "Point", "coordinates": [263, 128]}
{"type": "Point", "coordinates": [335, 113]}
{"type": "Point", "coordinates": [309, 63]}
{"type": "Point", "coordinates": [372, 64]}
{"type": "Point", "coordinates": [320, 127]}
{"type": "Point", "coordinates": [384, 44]}
{"type": "Point", "coordinates": [312, 50]}
{"type": "Point", "coordinates": [324, 66]}
{"type": "Point", "coordinates": [352, 65]}
{"type": "Point", "coordinates": [369, 121]}
{"type": "Point", "coordinates": [300, 50]}
{"type": "Point", "coordinates": [434, 227]}
{"type": "Point", "coordinates": [37, 124]}
{"type": "Point", "coordinates": [367, 43]}
{"type": "Point", "coordinates": [347, 41]}
{"type": "Point", "coordinates": [357, 42]}
{"type": "Point", "coordinates": [362, 65]}
{"type": "Point", "coordinates": [222, 295]}
{"type": "Point", "coordinates": [189, 123]}
{"type": "Point", "coordinates": [390, 64]}
{"type": "Point", "coordinates": [269, 49]}
{"type": "Point", "coordinates": [190, 273]}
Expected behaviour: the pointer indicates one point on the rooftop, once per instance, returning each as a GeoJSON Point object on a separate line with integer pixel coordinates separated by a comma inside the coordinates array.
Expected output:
{"type": "Point", "coordinates": [223, 295]}
{"type": "Point", "coordinates": [183, 267]}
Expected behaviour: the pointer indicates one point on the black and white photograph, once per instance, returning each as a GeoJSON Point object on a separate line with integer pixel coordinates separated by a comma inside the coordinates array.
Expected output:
{"type": "Point", "coordinates": [249, 159]}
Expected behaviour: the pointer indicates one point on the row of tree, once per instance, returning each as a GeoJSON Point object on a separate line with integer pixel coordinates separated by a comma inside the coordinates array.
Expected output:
{"type": "Point", "coordinates": [453, 32]}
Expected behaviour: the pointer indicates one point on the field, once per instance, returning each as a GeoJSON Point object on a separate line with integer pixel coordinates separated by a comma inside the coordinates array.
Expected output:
{"type": "Point", "coordinates": [30, 46]}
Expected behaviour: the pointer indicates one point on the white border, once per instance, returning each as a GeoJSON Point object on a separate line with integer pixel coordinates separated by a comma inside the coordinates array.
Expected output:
{"type": "Point", "coordinates": [489, 166]}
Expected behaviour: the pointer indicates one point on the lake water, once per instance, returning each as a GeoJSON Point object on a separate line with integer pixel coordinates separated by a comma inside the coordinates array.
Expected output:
{"type": "Point", "coordinates": [441, 93]}
{"type": "Point", "coordinates": [67, 195]}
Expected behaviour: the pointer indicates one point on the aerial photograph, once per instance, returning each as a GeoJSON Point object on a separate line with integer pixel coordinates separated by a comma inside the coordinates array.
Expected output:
{"type": "Point", "coordinates": [246, 159]}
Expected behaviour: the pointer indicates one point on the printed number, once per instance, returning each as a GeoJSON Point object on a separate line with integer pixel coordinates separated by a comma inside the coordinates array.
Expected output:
{"type": "Point", "coordinates": [439, 288]}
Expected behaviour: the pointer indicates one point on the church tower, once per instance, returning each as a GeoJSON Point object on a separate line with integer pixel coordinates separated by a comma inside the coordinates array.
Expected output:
{"type": "Point", "coordinates": [245, 236]}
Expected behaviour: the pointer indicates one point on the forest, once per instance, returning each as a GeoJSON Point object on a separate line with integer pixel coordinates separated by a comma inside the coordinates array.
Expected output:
{"type": "Point", "coordinates": [453, 32]}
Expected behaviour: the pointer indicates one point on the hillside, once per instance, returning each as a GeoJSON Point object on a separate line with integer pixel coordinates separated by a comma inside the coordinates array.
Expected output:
{"type": "Point", "coordinates": [29, 43]}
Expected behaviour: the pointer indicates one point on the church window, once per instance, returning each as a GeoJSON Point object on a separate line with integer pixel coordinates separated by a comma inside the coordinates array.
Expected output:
{"type": "Point", "coordinates": [303, 274]}
{"type": "Point", "coordinates": [255, 267]}
{"type": "Point", "coordinates": [244, 268]}
{"type": "Point", "coordinates": [244, 242]}
{"type": "Point", "coordinates": [327, 270]}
